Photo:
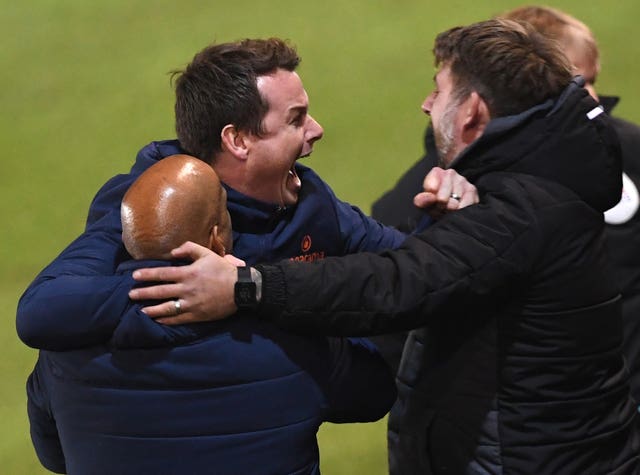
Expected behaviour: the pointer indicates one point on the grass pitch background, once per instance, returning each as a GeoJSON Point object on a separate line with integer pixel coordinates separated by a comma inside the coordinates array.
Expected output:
{"type": "Point", "coordinates": [84, 85]}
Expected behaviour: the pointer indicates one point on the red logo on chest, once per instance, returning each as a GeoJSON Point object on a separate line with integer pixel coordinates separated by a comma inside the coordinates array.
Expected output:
{"type": "Point", "coordinates": [305, 246]}
{"type": "Point", "coordinates": [306, 243]}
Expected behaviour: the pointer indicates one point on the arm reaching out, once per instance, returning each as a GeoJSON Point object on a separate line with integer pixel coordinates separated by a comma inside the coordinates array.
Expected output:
{"type": "Point", "coordinates": [200, 287]}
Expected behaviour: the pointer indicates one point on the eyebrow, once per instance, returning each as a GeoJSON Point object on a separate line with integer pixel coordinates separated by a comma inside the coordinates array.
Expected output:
{"type": "Point", "coordinates": [297, 110]}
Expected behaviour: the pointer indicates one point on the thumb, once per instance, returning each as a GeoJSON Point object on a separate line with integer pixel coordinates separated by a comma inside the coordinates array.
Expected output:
{"type": "Point", "coordinates": [424, 200]}
{"type": "Point", "coordinates": [234, 260]}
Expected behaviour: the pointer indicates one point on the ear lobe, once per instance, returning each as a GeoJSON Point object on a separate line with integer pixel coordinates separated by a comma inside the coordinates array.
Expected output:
{"type": "Point", "coordinates": [215, 243]}
{"type": "Point", "coordinates": [234, 141]}
{"type": "Point", "coordinates": [476, 117]}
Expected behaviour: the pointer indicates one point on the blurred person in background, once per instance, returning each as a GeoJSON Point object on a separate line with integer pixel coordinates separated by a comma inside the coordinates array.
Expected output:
{"type": "Point", "coordinates": [515, 363]}
{"type": "Point", "coordinates": [237, 397]}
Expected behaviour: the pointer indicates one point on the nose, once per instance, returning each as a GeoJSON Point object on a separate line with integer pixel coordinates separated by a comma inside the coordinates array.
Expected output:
{"type": "Point", "coordinates": [314, 130]}
{"type": "Point", "coordinates": [427, 104]}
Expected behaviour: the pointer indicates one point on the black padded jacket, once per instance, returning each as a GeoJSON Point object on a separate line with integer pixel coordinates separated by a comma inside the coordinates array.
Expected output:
{"type": "Point", "coordinates": [521, 371]}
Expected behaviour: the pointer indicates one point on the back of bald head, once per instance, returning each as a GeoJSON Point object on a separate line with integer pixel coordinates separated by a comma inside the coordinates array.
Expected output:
{"type": "Point", "coordinates": [569, 31]}
{"type": "Point", "coordinates": [178, 199]}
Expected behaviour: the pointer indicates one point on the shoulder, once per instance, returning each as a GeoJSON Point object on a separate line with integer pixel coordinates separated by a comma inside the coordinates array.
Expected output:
{"type": "Point", "coordinates": [528, 202]}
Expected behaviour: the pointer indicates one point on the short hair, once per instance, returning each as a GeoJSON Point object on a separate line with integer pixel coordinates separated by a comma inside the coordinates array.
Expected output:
{"type": "Point", "coordinates": [562, 27]}
{"type": "Point", "coordinates": [509, 64]}
{"type": "Point", "coordinates": [219, 87]}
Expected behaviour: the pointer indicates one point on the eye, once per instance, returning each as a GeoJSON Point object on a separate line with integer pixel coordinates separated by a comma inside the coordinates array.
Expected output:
{"type": "Point", "coordinates": [298, 120]}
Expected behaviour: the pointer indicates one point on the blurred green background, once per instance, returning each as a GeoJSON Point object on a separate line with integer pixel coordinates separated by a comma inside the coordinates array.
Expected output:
{"type": "Point", "coordinates": [84, 85]}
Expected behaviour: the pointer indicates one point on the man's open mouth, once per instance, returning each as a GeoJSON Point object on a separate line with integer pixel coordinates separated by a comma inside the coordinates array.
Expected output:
{"type": "Point", "coordinates": [293, 178]}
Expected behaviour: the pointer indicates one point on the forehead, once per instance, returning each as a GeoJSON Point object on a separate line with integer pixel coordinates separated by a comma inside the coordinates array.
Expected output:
{"type": "Point", "coordinates": [582, 62]}
{"type": "Point", "coordinates": [443, 78]}
{"type": "Point", "coordinates": [282, 89]}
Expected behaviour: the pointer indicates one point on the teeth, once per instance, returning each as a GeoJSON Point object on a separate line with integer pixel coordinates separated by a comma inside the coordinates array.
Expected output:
{"type": "Point", "coordinates": [296, 179]}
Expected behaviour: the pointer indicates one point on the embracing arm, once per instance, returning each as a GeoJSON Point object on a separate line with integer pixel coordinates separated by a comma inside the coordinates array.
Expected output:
{"type": "Point", "coordinates": [193, 284]}
{"type": "Point", "coordinates": [466, 257]}
{"type": "Point", "coordinates": [464, 260]}
{"type": "Point", "coordinates": [361, 387]}
{"type": "Point", "coordinates": [77, 300]}
{"type": "Point", "coordinates": [43, 429]}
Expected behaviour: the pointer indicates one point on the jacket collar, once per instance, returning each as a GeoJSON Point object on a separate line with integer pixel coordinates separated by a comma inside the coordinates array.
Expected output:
{"type": "Point", "coordinates": [566, 140]}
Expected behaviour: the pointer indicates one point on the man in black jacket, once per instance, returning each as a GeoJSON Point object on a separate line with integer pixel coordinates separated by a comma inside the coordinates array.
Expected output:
{"type": "Point", "coordinates": [622, 229]}
{"type": "Point", "coordinates": [521, 370]}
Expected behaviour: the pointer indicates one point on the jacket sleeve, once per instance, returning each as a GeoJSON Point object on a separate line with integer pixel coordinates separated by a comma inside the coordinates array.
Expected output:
{"type": "Point", "coordinates": [44, 432]}
{"type": "Point", "coordinates": [77, 300]}
{"type": "Point", "coordinates": [361, 386]}
{"type": "Point", "coordinates": [465, 261]}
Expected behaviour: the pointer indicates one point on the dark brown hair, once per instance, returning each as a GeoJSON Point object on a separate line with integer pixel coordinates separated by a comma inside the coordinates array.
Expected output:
{"type": "Point", "coordinates": [509, 64]}
{"type": "Point", "coordinates": [219, 87]}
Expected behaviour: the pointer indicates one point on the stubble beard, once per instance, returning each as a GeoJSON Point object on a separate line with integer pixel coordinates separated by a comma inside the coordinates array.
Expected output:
{"type": "Point", "coordinates": [444, 136]}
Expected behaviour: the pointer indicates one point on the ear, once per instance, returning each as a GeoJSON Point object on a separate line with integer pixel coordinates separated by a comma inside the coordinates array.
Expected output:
{"type": "Point", "coordinates": [235, 141]}
{"type": "Point", "coordinates": [475, 117]}
{"type": "Point", "coordinates": [215, 243]}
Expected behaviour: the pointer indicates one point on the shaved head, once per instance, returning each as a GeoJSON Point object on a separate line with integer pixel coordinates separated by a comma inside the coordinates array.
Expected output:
{"type": "Point", "coordinates": [178, 199]}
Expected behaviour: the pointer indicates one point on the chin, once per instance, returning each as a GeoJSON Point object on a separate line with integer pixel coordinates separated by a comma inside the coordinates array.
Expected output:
{"type": "Point", "coordinates": [290, 199]}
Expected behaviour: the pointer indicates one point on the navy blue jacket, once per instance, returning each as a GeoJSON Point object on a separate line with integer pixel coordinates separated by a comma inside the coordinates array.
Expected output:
{"type": "Point", "coordinates": [232, 397]}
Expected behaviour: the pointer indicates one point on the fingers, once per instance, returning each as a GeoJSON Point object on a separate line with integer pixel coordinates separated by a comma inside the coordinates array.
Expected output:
{"type": "Point", "coordinates": [440, 183]}
{"type": "Point", "coordinates": [191, 250]}
{"type": "Point", "coordinates": [468, 198]}
{"type": "Point", "coordinates": [165, 313]}
{"type": "Point", "coordinates": [428, 202]}
{"type": "Point", "coordinates": [444, 191]}
{"type": "Point", "coordinates": [424, 200]}
{"type": "Point", "coordinates": [160, 274]}
{"type": "Point", "coordinates": [156, 292]}
{"type": "Point", "coordinates": [200, 291]}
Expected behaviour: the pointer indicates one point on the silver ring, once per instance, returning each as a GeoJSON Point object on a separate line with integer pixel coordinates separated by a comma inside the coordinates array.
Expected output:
{"type": "Point", "coordinates": [178, 306]}
{"type": "Point", "coordinates": [455, 196]}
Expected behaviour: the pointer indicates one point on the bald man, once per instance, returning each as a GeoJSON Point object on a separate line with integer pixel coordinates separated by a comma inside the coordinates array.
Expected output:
{"type": "Point", "coordinates": [176, 200]}
{"type": "Point", "coordinates": [237, 397]}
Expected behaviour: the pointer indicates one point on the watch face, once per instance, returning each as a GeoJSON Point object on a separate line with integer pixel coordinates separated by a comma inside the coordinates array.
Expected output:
{"type": "Point", "coordinates": [245, 289]}
{"type": "Point", "coordinates": [246, 292]}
